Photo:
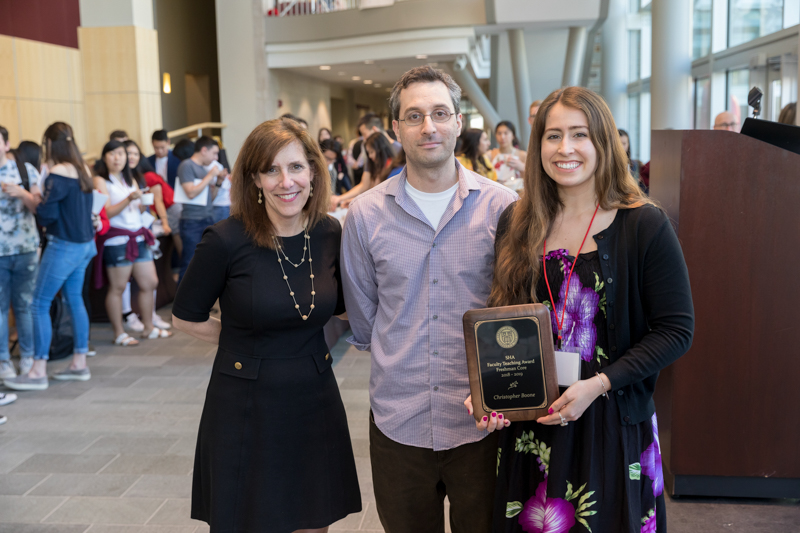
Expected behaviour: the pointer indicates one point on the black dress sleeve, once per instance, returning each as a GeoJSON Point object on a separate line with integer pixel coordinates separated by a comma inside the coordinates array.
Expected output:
{"type": "Point", "coordinates": [204, 280]}
{"type": "Point", "coordinates": [337, 239]}
{"type": "Point", "coordinates": [667, 303]}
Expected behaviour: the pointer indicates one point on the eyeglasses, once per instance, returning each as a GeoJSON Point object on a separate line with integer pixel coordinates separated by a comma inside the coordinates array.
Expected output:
{"type": "Point", "coordinates": [415, 118]}
{"type": "Point", "coordinates": [725, 125]}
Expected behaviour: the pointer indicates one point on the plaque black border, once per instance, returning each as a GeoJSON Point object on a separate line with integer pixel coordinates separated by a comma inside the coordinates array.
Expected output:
{"type": "Point", "coordinates": [541, 363]}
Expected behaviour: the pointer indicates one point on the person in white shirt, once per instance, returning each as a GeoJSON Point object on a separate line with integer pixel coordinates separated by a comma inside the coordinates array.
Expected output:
{"type": "Point", "coordinates": [507, 160]}
{"type": "Point", "coordinates": [222, 201]}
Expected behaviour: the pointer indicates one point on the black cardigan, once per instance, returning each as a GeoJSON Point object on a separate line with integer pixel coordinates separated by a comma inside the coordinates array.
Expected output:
{"type": "Point", "coordinates": [650, 313]}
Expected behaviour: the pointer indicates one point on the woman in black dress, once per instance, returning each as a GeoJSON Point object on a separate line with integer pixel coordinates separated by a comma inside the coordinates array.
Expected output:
{"type": "Point", "coordinates": [587, 243]}
{"type": "Point", "coordinates": [273, 450]}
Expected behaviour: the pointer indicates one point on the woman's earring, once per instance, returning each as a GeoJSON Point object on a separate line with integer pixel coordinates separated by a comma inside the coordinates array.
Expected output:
{"type": "Point", "coordinates": [312, 190]}
{"type": "Point", "coordinates": [259, 196]}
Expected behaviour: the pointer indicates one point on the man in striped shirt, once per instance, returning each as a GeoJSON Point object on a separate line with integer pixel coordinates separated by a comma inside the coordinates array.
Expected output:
{"type": "Point", "coordinates": [417, 252]}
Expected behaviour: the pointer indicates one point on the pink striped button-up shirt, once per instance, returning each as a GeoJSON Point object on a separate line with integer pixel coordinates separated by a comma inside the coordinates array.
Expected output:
{"type": "Point", "coordinates": [407, 286]}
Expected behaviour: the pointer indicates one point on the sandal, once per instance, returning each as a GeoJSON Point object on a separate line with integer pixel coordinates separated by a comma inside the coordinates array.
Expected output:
{"type": "Point", "coordinates": [156, 333]}
{"type": "Point", "coordinates": [125, 340]}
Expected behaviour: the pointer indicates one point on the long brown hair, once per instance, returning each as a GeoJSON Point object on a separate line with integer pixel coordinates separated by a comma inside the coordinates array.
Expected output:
{"type": "Point", "coordinates": [256, 156]}
{"type": "Point", "coordinates": [61, 148]}
{"type": "Point", "coordinates": [517, 265]}
{"type": "Point", "coordinates": [383, 154]}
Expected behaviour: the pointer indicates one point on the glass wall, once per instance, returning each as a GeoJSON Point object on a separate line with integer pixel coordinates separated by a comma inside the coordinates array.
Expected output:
{"type": "Point", "coordinates": [634, 55]}
{"type": "Point", "coordinates": [702, 104]}
{"type": "Point", "coordinates": [701, 29]}
{"type": "Point", "coordinates": [751, 19]}
{"type": "Point", "coordinates": [634, 119]}
{"type": "Point", "coordinates": [738, 88]}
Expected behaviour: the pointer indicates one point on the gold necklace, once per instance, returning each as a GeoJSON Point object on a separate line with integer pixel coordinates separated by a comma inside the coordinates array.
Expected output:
{"type": "Point", "coordinates": [306, 246]}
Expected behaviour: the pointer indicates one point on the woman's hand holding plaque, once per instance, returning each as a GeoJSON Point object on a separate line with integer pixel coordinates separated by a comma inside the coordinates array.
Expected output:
{"type": "Point", "coordinates": [490, 422]}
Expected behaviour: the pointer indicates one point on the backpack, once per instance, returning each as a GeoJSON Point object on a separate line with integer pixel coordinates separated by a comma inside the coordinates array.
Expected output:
{"type": "Point", "coordinates": [23, 175]}
{"type": "Point", "coordinates": [61, 345]}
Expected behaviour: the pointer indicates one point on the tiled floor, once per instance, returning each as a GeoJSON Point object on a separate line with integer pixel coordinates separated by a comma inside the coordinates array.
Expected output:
{"type": "Point", "coordinates": [114, 454]}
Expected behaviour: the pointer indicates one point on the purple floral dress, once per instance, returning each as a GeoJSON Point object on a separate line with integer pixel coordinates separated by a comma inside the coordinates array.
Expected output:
{"type": "Point", "coordinates": [595, 474]}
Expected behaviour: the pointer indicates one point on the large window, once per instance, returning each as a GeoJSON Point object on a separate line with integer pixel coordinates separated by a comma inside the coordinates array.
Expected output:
{"type": "Point", "coordinates": [702, 104]}
{"type": "Point", "coordinates": [634, 121]}
{"type": "Point", "coordinates": [701, 41]}
{"type": "Point", "coordinates": [738, 88]}
{"type": "Point", "coordinates": [634, 55]}
{"type": "Point", "coordinates": [751, 19]}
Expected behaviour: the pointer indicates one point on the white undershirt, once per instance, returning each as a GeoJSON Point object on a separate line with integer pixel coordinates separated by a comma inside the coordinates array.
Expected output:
{"type": "Point", "coordinates": [161, 166]}
{"type": "Point", "coordinates": [432, 204]}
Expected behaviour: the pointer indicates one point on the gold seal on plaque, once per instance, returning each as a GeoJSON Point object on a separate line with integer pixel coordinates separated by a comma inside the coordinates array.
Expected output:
{"type": "Point", "coordinates": [507, 337]}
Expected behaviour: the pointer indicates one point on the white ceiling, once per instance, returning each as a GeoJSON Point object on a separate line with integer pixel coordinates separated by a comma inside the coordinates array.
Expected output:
{"type": "Point", "coordinates": [384, 72]}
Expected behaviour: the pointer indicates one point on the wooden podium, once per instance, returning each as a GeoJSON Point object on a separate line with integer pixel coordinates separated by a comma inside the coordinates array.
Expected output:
{"type": "Point", "coordinates": [729, 410]}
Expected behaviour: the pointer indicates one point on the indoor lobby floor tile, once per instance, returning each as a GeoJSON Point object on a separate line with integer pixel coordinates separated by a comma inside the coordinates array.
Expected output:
{"type": "Point", "coordinates": [115, 454]}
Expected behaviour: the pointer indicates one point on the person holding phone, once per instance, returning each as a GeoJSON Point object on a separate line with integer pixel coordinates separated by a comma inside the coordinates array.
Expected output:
{"type": "Point", "coordinates": [66, 214]}
{"type": "Point", "coordinates": [125, 247]}
{"type": "Point", "coordinates": [195, 181]}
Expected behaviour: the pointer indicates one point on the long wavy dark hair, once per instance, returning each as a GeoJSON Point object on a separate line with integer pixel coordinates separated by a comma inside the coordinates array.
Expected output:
{"type": "Point", "coordinates": [59, 145]}
{"type": "Point", "coordinates": [518, 263]}
{"type": "Point", "coordinates": [383, 153]}
{"type": "Point", "coordinates": [471, 141]}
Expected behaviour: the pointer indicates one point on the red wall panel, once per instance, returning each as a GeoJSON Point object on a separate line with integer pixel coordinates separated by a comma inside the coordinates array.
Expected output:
{"type": "Point", "coordinates": [48, 21]}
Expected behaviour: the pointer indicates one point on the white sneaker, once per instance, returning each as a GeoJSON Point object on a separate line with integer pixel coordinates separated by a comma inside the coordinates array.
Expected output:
{"type": "Point", "coordinates": [133, 323]}
{"type": "Point", "coordinates": [7, 370]}
{"type": "Point", "coordinates": [7, 397]}
{"type": "Point", "coordinates": [160, 323]}
{"type": "Point", "coordinates": [25, 365]}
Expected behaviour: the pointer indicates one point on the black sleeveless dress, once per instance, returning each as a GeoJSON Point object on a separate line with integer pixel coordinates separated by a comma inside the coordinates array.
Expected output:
{"type": "Point", "coordinates": [594, 474]}
{"type": "Point", "coordinates": [273, 450]}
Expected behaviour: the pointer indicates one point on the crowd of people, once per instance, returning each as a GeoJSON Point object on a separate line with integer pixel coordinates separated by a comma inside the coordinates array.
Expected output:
{"type": "Point", "coordinates": [260, 242]}
{"type": "Point", "coordinates": [57, 213]}
{"type": "Point", "coordinates": [399, 268]}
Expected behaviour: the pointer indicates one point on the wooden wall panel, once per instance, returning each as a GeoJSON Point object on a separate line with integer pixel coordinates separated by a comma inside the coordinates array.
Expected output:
{"type": "Point", "coordinates": [75, 75]}
{"type": "Point", "coordinates": [78, 123]}
{"type": "Point", "coordinates": [108, 112]}
{"type": "Point", "coordinates": [30, 69]}
{"type": "Point", "coordinates": [148, 71]}
{"type": "Point", "coordinates": [150, 117]}
{"type": "Point", "coordinates": [36, 115]}
{"type": "Point", "coordinates": [109, 59]}
{"type": "Point", "coordinates": [9, 119]}
{"type": "Point", "coordinates": [7, 85]}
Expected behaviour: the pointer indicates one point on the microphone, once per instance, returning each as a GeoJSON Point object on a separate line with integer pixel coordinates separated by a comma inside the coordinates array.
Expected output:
{"type": "Point", "coordinates": [754, 100]}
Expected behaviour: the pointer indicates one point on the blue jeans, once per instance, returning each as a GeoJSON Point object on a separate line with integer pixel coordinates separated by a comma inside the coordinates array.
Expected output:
{"type": "Point", "coordinates": [221, 212]}
{"type": "Point", "coordinates": [17, 277]}
{"type": "Point", "coordinates": [63, 266]}
{"type": "Point", "coordinates": [191, 234]}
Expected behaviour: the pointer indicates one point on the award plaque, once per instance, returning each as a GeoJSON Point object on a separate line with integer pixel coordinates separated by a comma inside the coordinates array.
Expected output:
{"type": "Point", "coordinates": [511, 362]}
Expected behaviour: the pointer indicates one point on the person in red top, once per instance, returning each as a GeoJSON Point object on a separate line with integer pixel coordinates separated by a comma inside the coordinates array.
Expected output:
{"type": "Point", "coordinates": [163, 194]}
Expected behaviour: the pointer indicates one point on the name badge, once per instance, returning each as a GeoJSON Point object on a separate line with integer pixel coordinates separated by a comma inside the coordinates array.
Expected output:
{"type": "Point", "coordinates": [568, 367]}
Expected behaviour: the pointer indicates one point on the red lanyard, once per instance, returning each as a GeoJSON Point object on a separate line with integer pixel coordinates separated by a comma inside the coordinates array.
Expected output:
{"type": "Point", "coordinates": [560, 323]}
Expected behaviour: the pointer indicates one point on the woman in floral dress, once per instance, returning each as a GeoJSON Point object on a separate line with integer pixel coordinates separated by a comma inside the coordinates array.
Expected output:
{"type": "Point", "coordinates": [623, 302]}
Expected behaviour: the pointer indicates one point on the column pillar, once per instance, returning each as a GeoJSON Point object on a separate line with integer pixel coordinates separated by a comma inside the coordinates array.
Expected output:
{"type": "Point", "coordinates": [614, 73]}
{"type": "Point", "coordinates": [121, 76]}
{"type": "Point", "coordinates": [670, 83]}
{"type": "Point", "coordinates": [468, 83]}
{"type": "Point", "coordinates": [522, 83]}
{"type": "Point", "coordinates": [246, 97]}
{"type": "Point", "coordinates": [576, 50]}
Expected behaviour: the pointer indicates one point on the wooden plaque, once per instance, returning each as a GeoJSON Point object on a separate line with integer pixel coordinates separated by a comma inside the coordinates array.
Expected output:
{"type": "Point", "coordinates": [511, 362]}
